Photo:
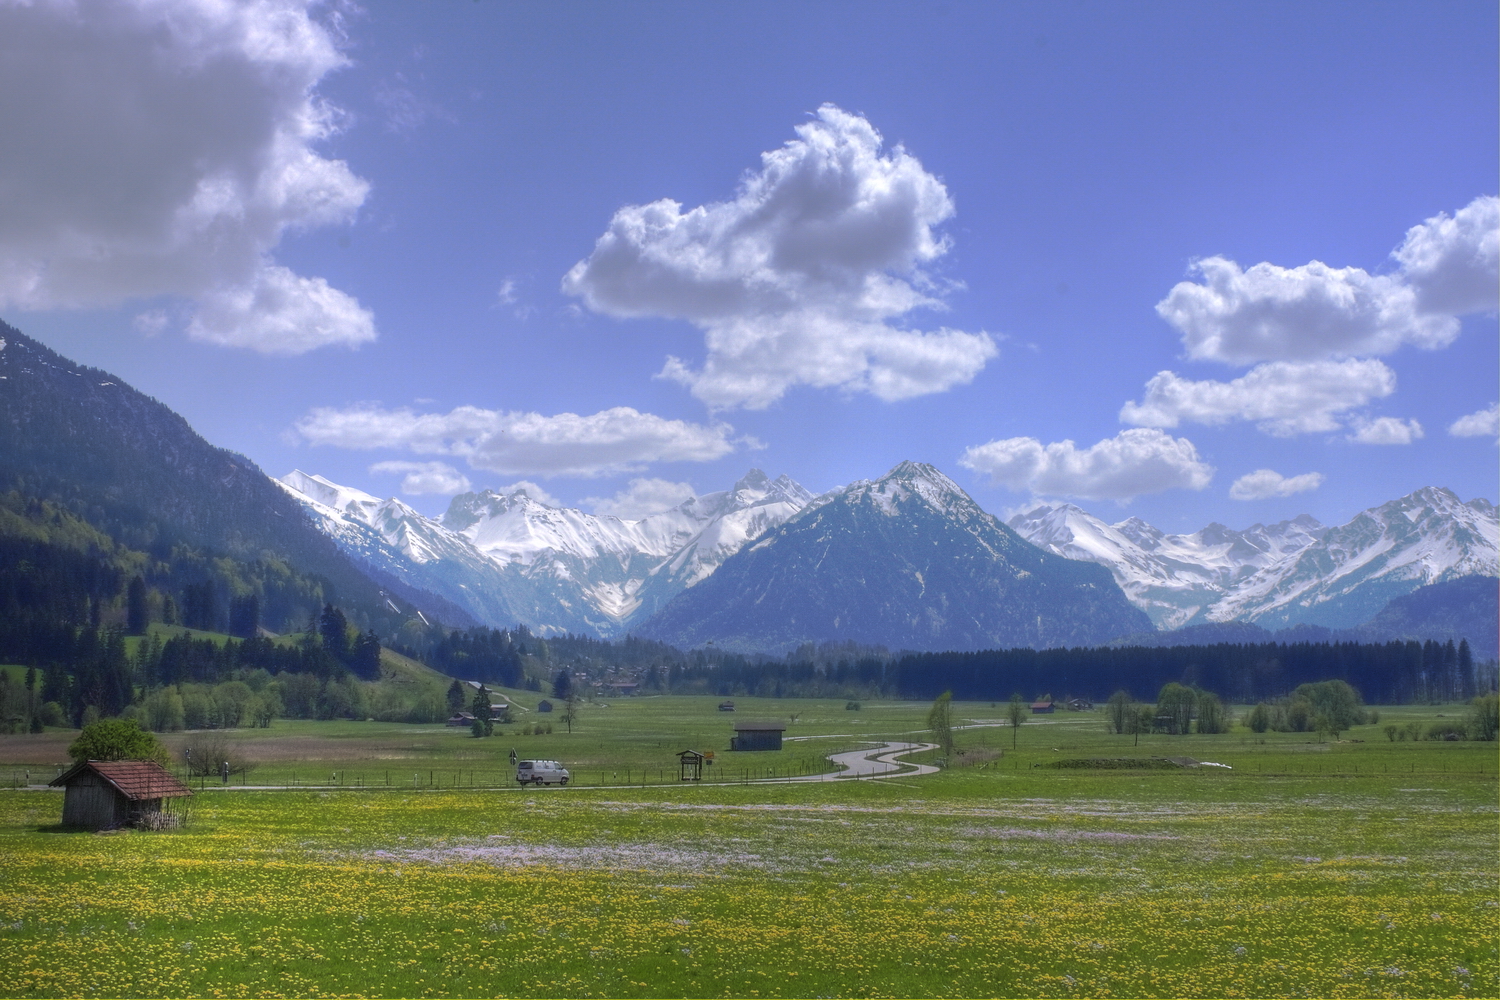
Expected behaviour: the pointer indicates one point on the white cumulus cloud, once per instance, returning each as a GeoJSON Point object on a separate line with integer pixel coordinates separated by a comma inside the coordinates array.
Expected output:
{"type": "Point", "coordinates": [279, 312]}
{"type": "Point", "coordinates": [1264, 483]}
{"type": "Point", "coordinates": [1386, 430]}
{"type": "Point", "coordinates": [1131, 463]}
{"type": "Point", "coordinates": [620, 439]}
{"type": "Point", "coordinates": [642, 498]}
{"type": "Point", "coordinates": [796, 280]}
{"type": "Point", "coordinates": [425, 477]}
{"type": "Point", "coordinates": [1269, 313]}
{"type": "Point", "coordinates": [1284, 397]}
{"type": "Point", "coordinates": [162, 147]}
{"type": "Point", "coordinates": [1448, 268]}
{"type": "Point", "coordinates": [1485, 423]}
{"type": "Point", "coordinates": [1454, 263]}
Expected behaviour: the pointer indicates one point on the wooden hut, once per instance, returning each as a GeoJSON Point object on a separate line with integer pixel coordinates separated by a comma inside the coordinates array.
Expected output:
{"type": "Point", "coordinates": [103, 794]}
{"type": "Point", "coordinates": [752, 735]}
{"type": "Point", "coordinates": [1043, 706]}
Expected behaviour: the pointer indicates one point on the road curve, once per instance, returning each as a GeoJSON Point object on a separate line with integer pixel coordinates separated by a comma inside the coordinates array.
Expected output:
{"type": "Point", "coordinates": [877, 761]}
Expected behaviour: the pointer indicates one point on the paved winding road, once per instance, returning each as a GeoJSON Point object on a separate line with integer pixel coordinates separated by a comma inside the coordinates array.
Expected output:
{"type": "Point", "coordinates": [880, 761]}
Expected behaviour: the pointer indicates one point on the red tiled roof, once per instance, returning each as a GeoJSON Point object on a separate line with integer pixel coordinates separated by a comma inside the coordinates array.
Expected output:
{"type": "Point", "coordinates": [136, 779]}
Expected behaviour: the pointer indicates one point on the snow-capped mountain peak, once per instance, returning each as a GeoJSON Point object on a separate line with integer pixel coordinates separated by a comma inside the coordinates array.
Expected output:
{"type": "Point", "coordinates": [909, 480]}
{"type": "Point", "coordinates": [508, 557]}
{"type": "Point", "coordinates": [1285, 573]}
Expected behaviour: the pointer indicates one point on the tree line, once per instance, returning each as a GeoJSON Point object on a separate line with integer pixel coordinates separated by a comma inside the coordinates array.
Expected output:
{"type": "Point", "coordinates": [189, 681]}
{"type": "Point", "coordinates": [1384, 673]}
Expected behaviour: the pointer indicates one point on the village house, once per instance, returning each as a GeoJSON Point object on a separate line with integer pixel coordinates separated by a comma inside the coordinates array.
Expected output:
{"type": "Point", "coordinates": [105, 794]}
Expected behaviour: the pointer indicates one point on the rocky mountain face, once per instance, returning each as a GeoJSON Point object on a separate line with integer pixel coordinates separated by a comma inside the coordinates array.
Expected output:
{"type": "Point", "coordinates": [1295, 572]}
{"type": "Point", "coordinates": [908, 561]}
{"type": "Point", "coordinates": [137, 472]}
{"type": "Point", "coordinates": [508, 558]}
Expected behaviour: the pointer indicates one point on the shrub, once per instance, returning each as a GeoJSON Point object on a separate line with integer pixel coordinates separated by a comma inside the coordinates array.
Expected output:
{"type": "Point", "coordinates": [1483, 722]}
{"type": "Point", "coordinates": [197, 710]}
{"type": "Point", "coordinates": [1259, 719]}
{"type": "Point", "coordinates": [163, 711]}
{"type": "Point", "coordinates": [1390, 732]}
{"type": "Point", "coordinates": [1211, 717]}
{"type": "Point", "coordinates": [1336, 699]}
{"type": "Point", "coordinates": [1451, 730]}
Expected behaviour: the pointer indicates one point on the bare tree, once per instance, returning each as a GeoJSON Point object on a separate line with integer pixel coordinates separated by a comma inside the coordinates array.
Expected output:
{"type": "Point", "coordinates": [1016, 713]}
{"type": "Point", "coordinates": [206, 753]}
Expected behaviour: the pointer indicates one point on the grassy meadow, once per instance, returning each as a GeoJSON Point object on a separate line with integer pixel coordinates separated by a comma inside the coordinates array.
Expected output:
{"type": "Point", "coordinates": [1361, 868]}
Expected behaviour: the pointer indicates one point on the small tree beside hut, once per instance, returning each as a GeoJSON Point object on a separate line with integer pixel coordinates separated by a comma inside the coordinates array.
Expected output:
{"type": "Point", "coordinates": [119, 780]}
{"type": "Point", "coordinates": [117, 739]}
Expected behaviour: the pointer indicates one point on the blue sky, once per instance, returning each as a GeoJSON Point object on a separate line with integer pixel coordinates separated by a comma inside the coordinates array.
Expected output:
{"type": "Point", "coordinates": [1241, 256]}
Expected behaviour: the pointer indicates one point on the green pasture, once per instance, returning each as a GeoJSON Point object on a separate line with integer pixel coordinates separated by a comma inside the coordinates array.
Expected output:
{"type": "Point", "coordinates": [1351, 869]}
{"type": "Point", "coordinates": [634, 741]}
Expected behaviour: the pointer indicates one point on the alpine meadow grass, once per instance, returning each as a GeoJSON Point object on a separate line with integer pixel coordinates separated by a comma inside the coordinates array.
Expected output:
{"type": "Point", "coordinates": [1308, 869]}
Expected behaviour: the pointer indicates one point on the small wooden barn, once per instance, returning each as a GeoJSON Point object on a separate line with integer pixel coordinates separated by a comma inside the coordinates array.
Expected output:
{"type": "Point", "coordinates": [544, 706]}
{"type": "Point", "coordinates": [104, 794]}
{"type": "Point", "coordinates": [757, 735]}
{"type": "Point", "coordinates": [1043, 706]}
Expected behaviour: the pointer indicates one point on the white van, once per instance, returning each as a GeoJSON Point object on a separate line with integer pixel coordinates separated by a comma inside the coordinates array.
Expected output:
{"type": "Point", "coordinates": [541, 772]}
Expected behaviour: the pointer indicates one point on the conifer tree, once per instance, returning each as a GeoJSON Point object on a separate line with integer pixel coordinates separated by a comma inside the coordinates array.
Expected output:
{"type": "Point", "coordinates": [333, 627]}
{"type": "Point", "coordinates": [136, 616]}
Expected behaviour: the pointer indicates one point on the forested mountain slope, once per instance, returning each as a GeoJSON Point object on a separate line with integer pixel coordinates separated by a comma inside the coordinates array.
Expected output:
{"type": "Point", "coordinates": [136, 471]}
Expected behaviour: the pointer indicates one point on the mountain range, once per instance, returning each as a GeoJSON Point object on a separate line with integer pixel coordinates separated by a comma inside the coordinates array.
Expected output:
{"type": "Point", "coordinates": [507, 558]}
{"type": "Point", "coordinates": [1297, 572]}
{"type": "Point", "coordinates": [907, 560]}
